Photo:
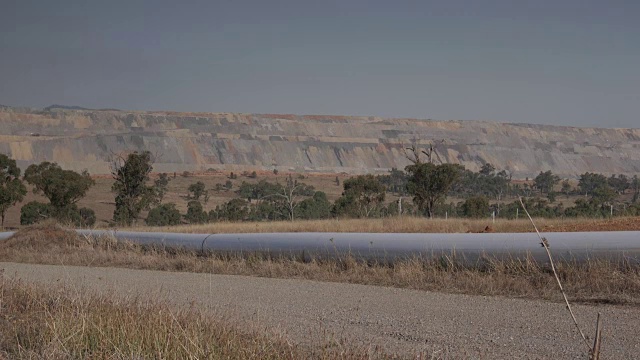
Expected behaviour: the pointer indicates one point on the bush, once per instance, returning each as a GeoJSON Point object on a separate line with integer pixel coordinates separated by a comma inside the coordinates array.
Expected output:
{"type": "Point", "coordinates": [34, 212]}
{"type": "Point", "coordinates": [86, 217]}
{"type": "Point", "coordinates": [195, 213]}
{"type": "Point", "coordinates": [476, 207]}
{"type": "Point", "coordinates": [163, 215]}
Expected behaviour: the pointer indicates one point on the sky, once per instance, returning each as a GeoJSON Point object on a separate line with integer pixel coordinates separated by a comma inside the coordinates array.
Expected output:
{"type": "Point", "coordinates": [563, 62]}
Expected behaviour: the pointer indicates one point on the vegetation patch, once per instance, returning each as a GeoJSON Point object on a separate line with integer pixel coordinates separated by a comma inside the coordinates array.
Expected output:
{"type": "Point", "coordinates": [59, 323]}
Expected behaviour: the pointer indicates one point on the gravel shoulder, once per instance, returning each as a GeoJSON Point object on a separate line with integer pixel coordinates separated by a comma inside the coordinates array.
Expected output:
{"type": "Point", "coordinates": [400, 321]}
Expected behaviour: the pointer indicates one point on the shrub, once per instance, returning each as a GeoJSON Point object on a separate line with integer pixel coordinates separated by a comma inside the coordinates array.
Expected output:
{"type": "Point", "coordinates": [34, 212]}
{"type": "Point", "coordinates": [476, 207]}
{"type": "Point", "coordinates": [195, 213]}
{"type": "Point", "coordinates": [86, 217]}
{"type": "Point", "coordinates": [163, 215]}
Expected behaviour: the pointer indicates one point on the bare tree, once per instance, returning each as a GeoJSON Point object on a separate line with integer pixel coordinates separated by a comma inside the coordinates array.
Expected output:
{"type": "Point", "coordinates": [290, 195]}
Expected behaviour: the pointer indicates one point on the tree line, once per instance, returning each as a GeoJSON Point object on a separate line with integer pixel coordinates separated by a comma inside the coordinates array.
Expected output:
{"type": "Point", "coordinates": [428, 185]}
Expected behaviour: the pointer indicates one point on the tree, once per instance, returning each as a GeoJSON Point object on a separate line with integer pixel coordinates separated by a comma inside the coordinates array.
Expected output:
{"type": "Point", "coordinates": [234, 210]}
{"type": "Point", "coordinates": [133, 195]}
{"type": "Point", "coordinates": [476, 207]}
{"type": "Point", "coordinates": [163, 215]}
{"type": "Point", "coordinates": [197, 190]}
{"type": "Point", "coordinates": [429, 183]}
{"type": "Point", "coordinates": [635, 186]}
{"type": "Point", "coordinates": [34, 212]}
{"type": "Point", "coordinates": [603, 195]}
{"type": "Point", "coordinates": [63, 188]}
{"type": "Point", "coordinates": [487, 169]}
{"type": "Point", "coordinates": [566, 187]}
{"type": "Point", "coordinates": [195, 213]}
{"type": "Point", "coordinates": [161, 184]}
{"type": "Point", "coordinates": [620, 184]}
{"type": "Point", "coordinates": [545, 181]}
{"type": "Point", "coordinates": [316, 207]}
{"type": "Point", "coordinates": [85, 217]}
{"type": "Point", "coordinates": [590, 181]}
{"type": "Point", "coordinates": [395, 181]}
{"type": "Point", "coordinates": [289, 194]}
{"type": "Point", "coordinates": [362, 195]}
{"type": "Point", "coordinates": [12, 190]}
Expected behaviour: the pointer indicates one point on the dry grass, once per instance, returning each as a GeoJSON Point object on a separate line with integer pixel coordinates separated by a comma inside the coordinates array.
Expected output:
{"type": "Point", "coordinates": [58, 323]}
{"type": "Point", "coordinates": [596, 281]}
{"type": "Point", "coordinates": [405, 224]}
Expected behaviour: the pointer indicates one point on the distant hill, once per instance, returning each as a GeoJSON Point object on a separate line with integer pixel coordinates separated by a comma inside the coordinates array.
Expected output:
{"type": "Point", "coordinates": [80, 138]}
{"type": "Point", "coordinates": [64, 107]}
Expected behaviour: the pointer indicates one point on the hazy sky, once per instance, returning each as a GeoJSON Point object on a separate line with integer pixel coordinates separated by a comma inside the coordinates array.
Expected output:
{"type": "Point", "coordinates": [571, 62]}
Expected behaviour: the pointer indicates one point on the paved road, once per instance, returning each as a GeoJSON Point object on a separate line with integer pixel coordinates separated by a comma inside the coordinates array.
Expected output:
{"type": "Point", "coordinates": [401, 321]}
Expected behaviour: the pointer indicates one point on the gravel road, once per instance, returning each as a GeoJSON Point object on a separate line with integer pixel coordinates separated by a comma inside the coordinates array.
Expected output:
{"type": "Point", "coordinates": [401, 321]}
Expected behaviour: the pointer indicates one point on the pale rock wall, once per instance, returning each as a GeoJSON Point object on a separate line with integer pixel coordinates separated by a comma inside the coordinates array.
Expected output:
{"type": "Point", "coordinates": [85, 139]}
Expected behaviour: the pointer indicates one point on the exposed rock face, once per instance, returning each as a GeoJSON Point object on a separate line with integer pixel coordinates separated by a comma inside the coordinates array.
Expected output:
{"type": "Point", "coordinates": [85, 139]}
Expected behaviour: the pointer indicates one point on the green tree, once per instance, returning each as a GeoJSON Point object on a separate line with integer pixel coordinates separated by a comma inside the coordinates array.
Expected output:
{"type": "Point", "coordinates": [590, 181]}
{"type": "Point", "coordinates": [197, 190]}
{"type": "Point", "coordinates": [163, 215]}
{"type": "Point", "coordinates": [395, 181]}
{"type": "Point", "coordinates": [476, 207]}
{"type": "Point", "coordinates": [133, 195]}
{"type": "Point", "coordinates": [63, 188]}
{"type": "Point", "coordinates": [362, 196]}
{"type": "Point", "coordinates": [316, 207]}
{"type": "Point", "coordinates": [620, 183]}
{"type": "Point", "coordinates": [86, 217]}
{"type": "Point", "coordinates": [161, 184]}
{"type": "Point", "coordinates": [545, 181]}
{"type": "Point", "coordinates": [234, 210]}
{"type": "Point", "coordinates": [34, 212]}
{"type": "Point", "coordinates": [429, 183]}
{"type": "Point", "coordinates": [12, 190]}
{"type": "Point", "coordinates": [604, 195]}
{"type": "Point", "coordinates": [487, 169]}
{"type": "Point", "coordinates": [566, 187]}
{"type": "Point", "coordinates": [635, 186]}
{"type": "Point", "coordinates": [195, 213]}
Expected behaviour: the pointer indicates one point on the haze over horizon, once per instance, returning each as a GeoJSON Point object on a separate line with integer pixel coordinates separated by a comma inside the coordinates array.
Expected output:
{"type": "Point", "coordinates": [571, 63]}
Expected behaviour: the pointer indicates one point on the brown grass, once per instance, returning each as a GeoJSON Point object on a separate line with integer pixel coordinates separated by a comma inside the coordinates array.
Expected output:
{"type": "Point", "coordinates": [405, 224]}
{"type": "Point", "coordinates": [596, 281]}
{"type": "Point", "coordinates": [58, 323]}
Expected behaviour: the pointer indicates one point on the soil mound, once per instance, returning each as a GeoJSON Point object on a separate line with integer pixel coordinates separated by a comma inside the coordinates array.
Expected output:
{"type": "Point", "coordinates": [45, 237]}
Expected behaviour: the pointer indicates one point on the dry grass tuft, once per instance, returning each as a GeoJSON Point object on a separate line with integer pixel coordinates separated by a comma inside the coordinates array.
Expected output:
{"type": "Point", "coordinates": [57, 323]}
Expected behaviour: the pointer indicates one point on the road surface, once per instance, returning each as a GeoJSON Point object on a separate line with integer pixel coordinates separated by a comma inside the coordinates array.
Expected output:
{"type": "Point", "coordinates": [401, 321]}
